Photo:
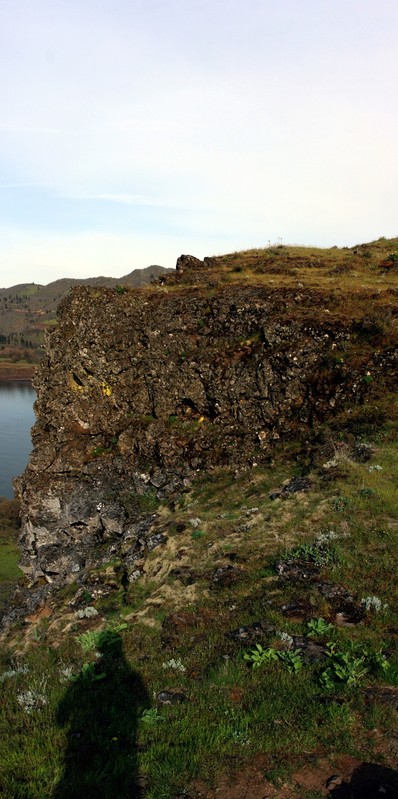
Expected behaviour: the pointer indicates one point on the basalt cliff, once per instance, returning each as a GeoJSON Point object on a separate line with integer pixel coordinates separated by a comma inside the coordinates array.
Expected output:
{"type": "Point", "coordinates": [142, 389]}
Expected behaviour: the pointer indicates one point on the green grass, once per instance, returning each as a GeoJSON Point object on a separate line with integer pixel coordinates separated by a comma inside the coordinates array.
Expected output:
{"type": "Point", "coordinates": [10, 573]}
{"type": "Point", "coordinates": [80, 708]}
{"type": "Point", "coordinates": [9, 557]}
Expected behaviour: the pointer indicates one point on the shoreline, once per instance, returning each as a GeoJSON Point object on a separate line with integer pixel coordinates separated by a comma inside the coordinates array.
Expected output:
{"type": "Point", "coordinates": [16, 373]}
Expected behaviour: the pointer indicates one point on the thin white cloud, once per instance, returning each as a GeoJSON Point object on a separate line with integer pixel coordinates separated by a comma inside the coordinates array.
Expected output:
{"type": "Point", "coordinates": [10, 128]}
{"type": "Point", "coordinates": [124, 199]}
{"type": "Point", "coordinates": [23, 185]}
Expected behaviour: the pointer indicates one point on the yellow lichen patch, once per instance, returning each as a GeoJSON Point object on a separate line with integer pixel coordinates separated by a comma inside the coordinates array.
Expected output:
{"type": "Point", "coordinates": [106, 389]}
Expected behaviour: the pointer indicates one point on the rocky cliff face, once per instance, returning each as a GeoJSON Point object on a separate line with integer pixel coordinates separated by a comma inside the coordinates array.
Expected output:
{"type": "Point", "coordinates": [142, 388]}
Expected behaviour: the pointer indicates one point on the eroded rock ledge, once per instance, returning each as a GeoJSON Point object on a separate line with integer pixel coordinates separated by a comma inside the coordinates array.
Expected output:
{"type": "Point", "coordinates": [141, 388]}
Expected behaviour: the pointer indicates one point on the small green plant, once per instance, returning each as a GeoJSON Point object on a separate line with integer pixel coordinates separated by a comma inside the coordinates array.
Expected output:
{"type": "Point", "coordinates": [96, 452]}
{"type": "Point", "coordinates": [319, 552]}
{"type": "Point", "coordinates": [37, 634]}
{"type": "Point", "coordinates": [376, 660]}
{"type": "Point", "coordinates": [120, 289]}
{"type": "Point", "coordinates": [393, 256]}
{"type": "Point", "coordinates": [292, 660]}
{"type": "Point", "coordinates": [345, 668]}
{"type": "Point", "coordinates": [318, 627]}
{"type": "Point", "coordinates": [115, 627]}
{"type": "Point", "coordinates": [151, 716]}
{"type": "Point", "coordinates": [390, 671]}
{"type": "Point", "coordinates": [88, 640]}
{"type": "Point", "coordinates": [148, 502]}
{"type": "Point", "coordinates": [197, 534]}
{"type": "Point", "coordinates": [88, 674]}
{"type": "Point", "coordinates": [366, 492]}
{"type": "Point", "coordinates": [259, 656]}
{"type": "Point", "coordinates": [264, 571]}
{"type": "Point", "coordinates": [340, 504]}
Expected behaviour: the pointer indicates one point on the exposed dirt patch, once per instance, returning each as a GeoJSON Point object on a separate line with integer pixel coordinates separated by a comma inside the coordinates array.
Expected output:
{"type": "Point", "coordinates": [337, 776]}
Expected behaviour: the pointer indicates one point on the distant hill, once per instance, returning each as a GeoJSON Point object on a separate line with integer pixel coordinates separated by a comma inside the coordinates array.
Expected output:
{"type": "Point", "coordinates": [27, 309]}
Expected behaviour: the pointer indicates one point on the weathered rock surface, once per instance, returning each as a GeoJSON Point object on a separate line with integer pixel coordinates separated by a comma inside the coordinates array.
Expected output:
{"type": "Point", "coordinates": [141, 388]}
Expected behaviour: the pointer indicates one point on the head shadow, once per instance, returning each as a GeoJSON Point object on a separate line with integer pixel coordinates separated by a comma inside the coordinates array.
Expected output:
{"type": "Point", "coordinates": [369, 781]}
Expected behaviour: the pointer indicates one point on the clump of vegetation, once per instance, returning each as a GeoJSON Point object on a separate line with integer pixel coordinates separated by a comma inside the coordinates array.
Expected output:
{"type": "Point", "coordinates": [348, 667]}
{"type": "Point", "coordinates": [318, 627]}
{"type": "Point", "coordinates": [319, 552]}
{"type": "Point", "coordinates": [259, 657]}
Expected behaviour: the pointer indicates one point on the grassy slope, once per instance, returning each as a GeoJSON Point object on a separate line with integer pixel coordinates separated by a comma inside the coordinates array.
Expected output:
{"type": "Point", "coordinates": [217, 572]}
{"type": "Point", "coordinates": [9, 552]}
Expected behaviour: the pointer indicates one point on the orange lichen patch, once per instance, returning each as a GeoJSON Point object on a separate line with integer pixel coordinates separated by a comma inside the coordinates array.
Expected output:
{"type": "Point", "coordinates": [44, 612]}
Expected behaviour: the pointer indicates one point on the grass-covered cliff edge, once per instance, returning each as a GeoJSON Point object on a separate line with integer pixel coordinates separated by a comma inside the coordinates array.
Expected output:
{"type": "Point", "coordinates": [209, 524]}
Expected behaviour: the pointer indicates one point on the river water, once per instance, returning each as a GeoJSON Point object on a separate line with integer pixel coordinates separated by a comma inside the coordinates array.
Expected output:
{"type": "Point", "coordinates": [16, 420]}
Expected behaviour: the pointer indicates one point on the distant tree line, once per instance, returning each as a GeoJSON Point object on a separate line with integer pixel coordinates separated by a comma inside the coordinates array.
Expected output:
{"type": "Point", "coordinates": [19, 341]}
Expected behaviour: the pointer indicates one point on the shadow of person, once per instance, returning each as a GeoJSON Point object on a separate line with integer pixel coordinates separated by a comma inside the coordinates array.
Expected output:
{"type": "Point", "coordinates": [100, 710]}
{"type": "Point", "coordinates": [369, 781]}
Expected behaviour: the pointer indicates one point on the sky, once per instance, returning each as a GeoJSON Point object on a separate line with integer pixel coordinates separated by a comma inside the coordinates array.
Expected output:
{"type": "Point", "coordinates": [132, 131]}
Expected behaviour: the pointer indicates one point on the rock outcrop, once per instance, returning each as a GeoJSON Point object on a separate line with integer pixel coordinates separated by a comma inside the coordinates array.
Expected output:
{"type": "Point", "coordinates": [142, 388]}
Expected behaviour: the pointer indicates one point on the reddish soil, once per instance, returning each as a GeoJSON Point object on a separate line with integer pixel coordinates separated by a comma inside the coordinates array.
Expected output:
{"type": "Point", "coordinates": [332, 776]}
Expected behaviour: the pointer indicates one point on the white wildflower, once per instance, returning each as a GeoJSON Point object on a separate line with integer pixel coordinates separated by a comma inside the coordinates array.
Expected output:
{"type": "Point", "coordinates": [66, 673]}
{"type": "Point", "coordinates": [241, 737]}
{"type": "Point", "coordinates": [373, 603]}
{"type": "Point", "coordinates": [250, 511]}
{"type": "Point", "coordinates": [13, 672]}
{"type": "Point", "coordinates": [31, 700]}
{"type": "Point", "coordinates": [324, 538]}
{"type": "Point", "coordinates": [174, 664]}
{"type": "Point", "coordinates": [286, 638]}
{"type": "Point", "coordinates": [86, 613]}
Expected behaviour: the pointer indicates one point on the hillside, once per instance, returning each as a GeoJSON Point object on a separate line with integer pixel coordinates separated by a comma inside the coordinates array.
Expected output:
{"type": "Point", "coordinates": [209, 530]}
{"type": "Point", "coordinates": [29, 309]}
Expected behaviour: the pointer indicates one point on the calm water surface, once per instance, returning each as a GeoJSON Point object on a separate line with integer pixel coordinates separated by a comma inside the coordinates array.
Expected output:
{"type": "Point", "coordinates": [16, 419]}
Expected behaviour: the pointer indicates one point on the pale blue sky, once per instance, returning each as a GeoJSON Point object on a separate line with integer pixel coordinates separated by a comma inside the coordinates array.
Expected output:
{"type": "Point", "coordinates": [134, 130]}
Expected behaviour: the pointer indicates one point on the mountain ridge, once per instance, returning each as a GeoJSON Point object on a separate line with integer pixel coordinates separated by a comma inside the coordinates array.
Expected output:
{"type": "Point", "coordinates": [27, 310]}
{"type": "Point", "coordinates": [129, 279]}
